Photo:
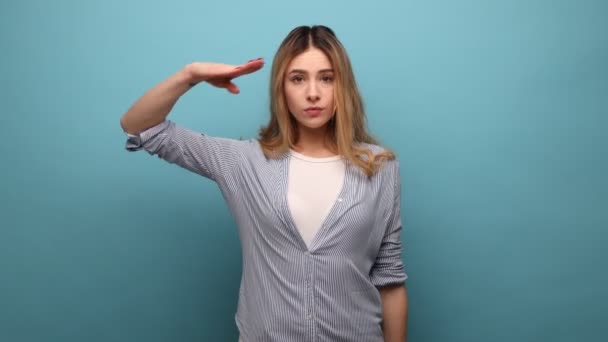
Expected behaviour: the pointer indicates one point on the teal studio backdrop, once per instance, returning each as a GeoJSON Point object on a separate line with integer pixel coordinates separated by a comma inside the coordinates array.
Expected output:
{"type": "Point", "coordinates": [497, 111]}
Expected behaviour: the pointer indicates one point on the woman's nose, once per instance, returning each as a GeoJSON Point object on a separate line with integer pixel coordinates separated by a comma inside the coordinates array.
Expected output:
{"type": "Point", "coordinates": [313, 92]}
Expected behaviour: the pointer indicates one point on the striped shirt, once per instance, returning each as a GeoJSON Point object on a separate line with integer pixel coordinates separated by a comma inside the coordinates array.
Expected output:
{"type": "Point", "coordinates": [291, 292]}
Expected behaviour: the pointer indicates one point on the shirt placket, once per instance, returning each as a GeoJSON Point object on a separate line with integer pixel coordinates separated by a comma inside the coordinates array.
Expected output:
{"type": "Point", "coordinates": [310, 295]}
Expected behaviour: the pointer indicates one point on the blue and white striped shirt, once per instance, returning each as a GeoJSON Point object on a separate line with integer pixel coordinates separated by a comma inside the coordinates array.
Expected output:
{"type": "Point", "coordinates": [327, 292]}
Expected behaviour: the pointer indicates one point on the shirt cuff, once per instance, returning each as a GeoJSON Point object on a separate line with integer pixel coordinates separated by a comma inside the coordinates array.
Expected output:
{"type": "Point", "coordinates": [136, 142]}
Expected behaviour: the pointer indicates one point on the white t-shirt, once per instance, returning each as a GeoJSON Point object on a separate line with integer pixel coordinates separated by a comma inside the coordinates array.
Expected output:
{"type": "Point", "coordinates": [314, 186]}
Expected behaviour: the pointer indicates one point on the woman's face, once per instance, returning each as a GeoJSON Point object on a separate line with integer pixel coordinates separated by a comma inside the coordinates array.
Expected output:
{"type": "Point", "coordinates": [309, 89]}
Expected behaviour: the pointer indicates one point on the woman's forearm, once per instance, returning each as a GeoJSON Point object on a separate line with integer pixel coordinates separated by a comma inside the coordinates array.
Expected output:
{"type": "Point", "coordinates": [394, 307]}
{"type": "Point", "coordinates": [153, 107]}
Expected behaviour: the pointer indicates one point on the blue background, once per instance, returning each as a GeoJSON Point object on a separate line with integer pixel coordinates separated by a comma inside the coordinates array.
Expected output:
{"type": "Point", "coordinates": [497, 110]}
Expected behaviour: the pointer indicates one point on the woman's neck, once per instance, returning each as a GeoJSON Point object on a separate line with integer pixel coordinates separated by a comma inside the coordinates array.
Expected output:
{"type": "Point", "coordinates": [314, 143]}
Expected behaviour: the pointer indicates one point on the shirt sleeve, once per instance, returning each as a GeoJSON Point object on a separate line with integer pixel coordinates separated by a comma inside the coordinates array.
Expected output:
{"type": "Point", "coordinates": [388, 267]}
{"type": "Point", "coordinates": [211, 157]}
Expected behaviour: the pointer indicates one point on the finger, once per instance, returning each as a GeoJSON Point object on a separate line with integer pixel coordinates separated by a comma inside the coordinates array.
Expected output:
{"type": "Point", "coordinates": [253, 65]}
{"type": "Point", "coordinates": [233, 88]}
{"type": "Point", "coordinates": [247, 68]}
{"type": "Point", "coordinates": [219, 82]}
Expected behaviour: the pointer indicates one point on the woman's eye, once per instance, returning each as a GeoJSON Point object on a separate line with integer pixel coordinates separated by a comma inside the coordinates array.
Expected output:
{"type": "Point", "coordinates": [297, 79]}
{"type": "Point", "coordinates": [327, 79]}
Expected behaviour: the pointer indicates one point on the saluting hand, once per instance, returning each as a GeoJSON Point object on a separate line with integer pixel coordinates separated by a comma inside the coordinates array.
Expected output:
{"type": "Point", "coordinates": [221, 75]}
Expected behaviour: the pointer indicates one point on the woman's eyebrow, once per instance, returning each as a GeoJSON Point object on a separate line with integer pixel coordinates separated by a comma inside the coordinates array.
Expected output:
{"type": "Point", "coordinates": [301, 71]}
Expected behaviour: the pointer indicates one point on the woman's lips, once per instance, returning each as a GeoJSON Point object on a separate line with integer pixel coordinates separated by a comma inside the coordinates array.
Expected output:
{"type": "Point", "coordinates": [313, 111]}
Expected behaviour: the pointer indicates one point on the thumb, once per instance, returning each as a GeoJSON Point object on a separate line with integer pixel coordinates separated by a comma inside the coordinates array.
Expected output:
{"type": "Point", "coordinates": [233, 88]}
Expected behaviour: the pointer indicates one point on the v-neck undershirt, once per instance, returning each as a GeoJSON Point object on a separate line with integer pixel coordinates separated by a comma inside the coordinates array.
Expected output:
{"type": "Point", "coordinates": [313, 187]}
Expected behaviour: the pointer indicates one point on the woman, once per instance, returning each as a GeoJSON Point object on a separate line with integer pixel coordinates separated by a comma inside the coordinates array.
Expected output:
{"type": "Point", "coordinates": [316, 201]}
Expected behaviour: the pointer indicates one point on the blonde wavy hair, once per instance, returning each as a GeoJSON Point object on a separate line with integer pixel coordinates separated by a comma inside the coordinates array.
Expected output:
{"type": "Point", "coordinates": [347, 129]}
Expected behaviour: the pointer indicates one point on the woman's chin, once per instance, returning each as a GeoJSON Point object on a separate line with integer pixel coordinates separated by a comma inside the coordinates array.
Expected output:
{"type": "Point", "coordinates": [313, 124]}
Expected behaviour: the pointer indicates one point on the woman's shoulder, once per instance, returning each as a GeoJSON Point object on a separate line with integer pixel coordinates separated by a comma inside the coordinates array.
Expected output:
{"type": "Point", "coordinates": [373, 148]}
{"type": "Point", "coordinates": [252, 151]}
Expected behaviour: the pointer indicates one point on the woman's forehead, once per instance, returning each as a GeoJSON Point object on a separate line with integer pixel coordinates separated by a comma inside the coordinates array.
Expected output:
{"type": "Point", "coordinates": [312, 60]}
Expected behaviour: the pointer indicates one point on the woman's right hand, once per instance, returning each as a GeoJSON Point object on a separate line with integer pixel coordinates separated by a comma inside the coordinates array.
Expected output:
{"type": "Point", "coordinates": [221, 75]}
{"type": "Point", "coordinates": [154, 106]}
